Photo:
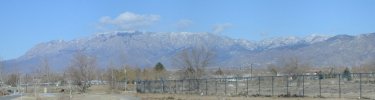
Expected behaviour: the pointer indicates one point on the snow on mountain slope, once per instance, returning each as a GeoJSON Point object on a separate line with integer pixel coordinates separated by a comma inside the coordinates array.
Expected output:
{"type": "Point", "coordinates": [144, 49]}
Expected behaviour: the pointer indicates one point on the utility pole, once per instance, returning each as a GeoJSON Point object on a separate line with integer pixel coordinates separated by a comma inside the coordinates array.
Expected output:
{"type": "Point", "coordinates": [112, 81]}
{"type": "Point", "coordinates": [126, 79]}
{"type": "Point", "coordinates": [20, 85]}
{"type": "Point", "coordinates": [70, 89]}
{"type": "Point", "coordinates": [34, 85]}
{"type": "Point", "coordinates": [69, 80]}
{"type": "Point", "coordinates": [26, 83]}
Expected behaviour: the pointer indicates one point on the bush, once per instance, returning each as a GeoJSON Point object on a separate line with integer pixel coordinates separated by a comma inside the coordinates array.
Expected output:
{"type": "Point", "coordinates": [346, 74]}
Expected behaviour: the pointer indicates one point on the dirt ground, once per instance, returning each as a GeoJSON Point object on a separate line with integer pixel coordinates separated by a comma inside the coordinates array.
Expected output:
{"type": "Point", "coordinates": [82, 97]}
{"type": "Point", "coordinates": [103, 93]}
{"type": "Point", "coordinates": [94, 93]}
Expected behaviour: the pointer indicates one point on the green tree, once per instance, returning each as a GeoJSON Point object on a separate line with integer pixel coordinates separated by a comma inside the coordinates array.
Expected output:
{"type": "Point", "coordinates": [346, 74]}
{"type": "Point", "coordinates": [321, 75]}
{"type": "Point", "coordinates": [159, 69]}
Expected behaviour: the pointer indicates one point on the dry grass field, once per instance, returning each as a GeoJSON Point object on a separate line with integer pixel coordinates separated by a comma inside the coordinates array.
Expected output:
{"type": "Point", "coordinates": [196, 97]}
{"type": "Point", "coordinates": [102, 92]}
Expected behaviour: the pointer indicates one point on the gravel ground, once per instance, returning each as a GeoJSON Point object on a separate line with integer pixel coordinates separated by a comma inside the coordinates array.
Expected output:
{"type": "Point", "coordinates": [76, 97]}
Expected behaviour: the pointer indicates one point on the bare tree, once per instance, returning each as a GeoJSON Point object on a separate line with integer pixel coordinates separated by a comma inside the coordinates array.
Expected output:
{"type": "Point", "coordinates": [45, 70]}
{"type": "Point", "coordinates": [193, 61]}
{"type": "Point", "coordinates": [147, 74]}
{"type": "Point", "coordinates": [138, 73]}
{"type": "Point", "coordinates": [82, 70]}
{"type": "Point", "coordinates": [27, 79]}
{"type": "Point", "coordinates": [293, 65]}
{"type": "Point", "coordinates": [219, 72]}
{"type": "Point", "coordinates": [272, 69]}
{"type": "Point", "coordinates": [368, 66]}
{"type": "Point", "coordinates": [111, 76]}
{"type": "Point", "coordinates": [100, 75]}
{"type": "Point", "coordinates": [13, 76]}
{"type": "Point", "coordinates": [13, 79]}
{"type": "Point", "coordinates": [36, 80]}
{"type": "Point", "coordinates": [44, 73]}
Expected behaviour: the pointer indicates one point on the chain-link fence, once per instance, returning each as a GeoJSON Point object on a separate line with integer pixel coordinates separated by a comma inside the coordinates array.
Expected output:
{"type": "Point", "coordinates": [354, 85]}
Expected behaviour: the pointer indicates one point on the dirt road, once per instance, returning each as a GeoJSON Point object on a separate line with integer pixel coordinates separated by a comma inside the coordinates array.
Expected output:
{"type": "Point", "coordinates": [75, 97]}
{"type": "Point", "coordinates": [9, 97]}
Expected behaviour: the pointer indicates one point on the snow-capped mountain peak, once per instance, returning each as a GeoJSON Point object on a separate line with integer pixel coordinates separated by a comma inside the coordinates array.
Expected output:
{"type": "Point", "coordinates": [313, 38]}
{"type": "Point", "coordinates": [147, 48]}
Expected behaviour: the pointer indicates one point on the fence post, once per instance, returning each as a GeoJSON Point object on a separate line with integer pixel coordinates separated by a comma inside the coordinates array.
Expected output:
{"type": "Point", "coordinates": [152, 90]}
{"type": "Point", "coordinates": [287, 85]}
{"type": "Point", "coordinates": [272, 84]}
{"type": "Point", "coordinates": [236, 84]}
{"type": "Point", "coordinates": [189, 86]}
{"type": "Point", "coordinates": [303, 85]}
{"type": "Point", "coordinates": [247, 85]}
{"type": "Point", "coordinates": [216, 86]}
{"type": "Point", "coordinates": [339, 85]}
{"type": "Point", "coordinates": [175, 86]}
{"type": "Point", "coordinates": [182, 86]}
{"type": "Point", "coordinates": [206, 88]}
{"type": "Point", "coordinates": [198, 85]}
{"type": "Point", "coordinates": [320, 86]}
{"type": "Point", "coordinates": [225, 86]}
{"type": "Point", "coordinates": [162, 85]}
{"type": "Point", "coordinates": [169, 85]}
{"type": "Point", "coordinates": [152, 85]}
{"type": "Point", "coordinates": [149, 86]}
{"type": "Point", "coordinates": [258, 85]}
{"type": "Point", "coordinates": [360, 85]}
{"type": "Point", "coordinates": [144, 86]}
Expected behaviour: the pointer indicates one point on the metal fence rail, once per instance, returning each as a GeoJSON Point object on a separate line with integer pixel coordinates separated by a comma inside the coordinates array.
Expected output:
{"type": "Point", "coordinates": [361, 85]}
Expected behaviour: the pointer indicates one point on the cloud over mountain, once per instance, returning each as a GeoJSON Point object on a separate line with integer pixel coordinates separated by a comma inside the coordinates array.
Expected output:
{"type": "Point", "coordinates": [129, 21]}
{"type": "Point", "coordinates": [219, 28]}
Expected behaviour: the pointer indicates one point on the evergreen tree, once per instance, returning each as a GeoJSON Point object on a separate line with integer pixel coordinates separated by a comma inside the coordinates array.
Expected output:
{"type": "Point", "coordinates": [346, 74]}
{"type": "Point", "coordinates": [159, 69]}
{"type": "Point", "coordinates": [321, 75]}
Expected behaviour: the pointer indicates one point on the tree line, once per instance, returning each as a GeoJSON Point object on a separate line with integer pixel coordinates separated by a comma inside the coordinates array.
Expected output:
{"type": "Point", "coordinates": [191, 63]}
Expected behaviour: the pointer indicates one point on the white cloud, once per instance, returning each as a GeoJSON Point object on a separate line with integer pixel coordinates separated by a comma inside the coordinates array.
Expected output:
{"type": "Point", "coordinates": [184, 24]}
{"type": "Point", "coordinates": [219, 28]}
{"type": "Point", "coordinates": [128, 21]}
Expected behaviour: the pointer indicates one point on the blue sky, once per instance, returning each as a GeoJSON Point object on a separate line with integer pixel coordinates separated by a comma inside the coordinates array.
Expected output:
{"type": "Point", "coordinates": [27, 23]}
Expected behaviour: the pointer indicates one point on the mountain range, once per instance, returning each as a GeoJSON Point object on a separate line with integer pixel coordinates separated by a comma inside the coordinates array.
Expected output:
{"type": "Point", "coordinates": [145, 49]}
